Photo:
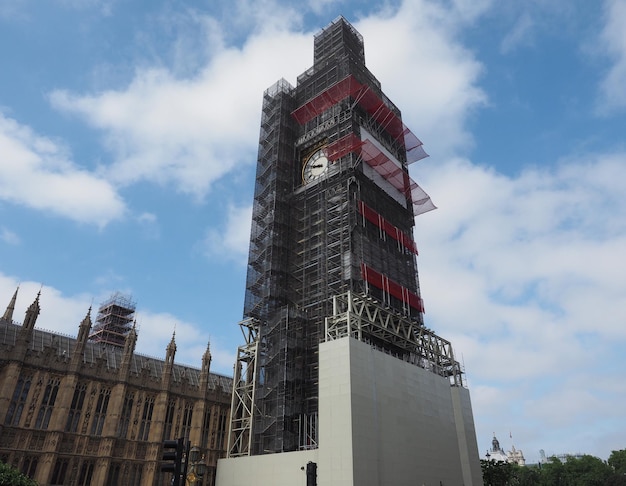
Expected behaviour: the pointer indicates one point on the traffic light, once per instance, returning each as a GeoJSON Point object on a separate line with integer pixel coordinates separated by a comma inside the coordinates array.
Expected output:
{"type": "Point", "coordinates": [311, 474]}
{"type": "Point", "coordinates": [172, 458]}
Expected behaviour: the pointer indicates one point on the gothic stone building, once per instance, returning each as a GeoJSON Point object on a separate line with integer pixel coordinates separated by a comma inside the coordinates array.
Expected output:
{"type": "Point", "coordinates": [77, 412]}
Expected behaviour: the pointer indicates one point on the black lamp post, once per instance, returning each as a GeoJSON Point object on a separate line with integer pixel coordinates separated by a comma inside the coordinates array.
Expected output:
{"type": "Point", "coordinates": [197, 467]}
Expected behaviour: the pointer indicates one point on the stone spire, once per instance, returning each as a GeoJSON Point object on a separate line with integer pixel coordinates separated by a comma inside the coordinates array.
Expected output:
{"type": "Point", "coordinates": [206, 368]}
{"type": "Point", "coordinates": [84, 328]}
{"type": "Point", "coordinates": [81, 340]}
{"type": "Point", "coordinates": [8, 314]}
{"type": "Point", "coordinates": [206, 359]}
{"type": "Point", "coordinates": [31, 314]}
{"type": "Point", "coordinates": [169, 363]}
{"type": "Point", "coordinates": [171, 350]}
{"type": "Point", "coordinates": [129, 348]}
{"type": "Point", "coordinates": [131, 340]}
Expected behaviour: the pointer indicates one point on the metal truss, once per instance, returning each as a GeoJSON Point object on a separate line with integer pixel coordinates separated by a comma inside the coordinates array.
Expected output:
{"type": "Point", "coordinates": [364, 318]}
{"type": "Point", "coordinates": [243, 409]}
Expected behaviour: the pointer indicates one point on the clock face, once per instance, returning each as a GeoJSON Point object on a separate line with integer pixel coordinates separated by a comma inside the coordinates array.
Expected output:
{"type": "Point", "coordinates": [315, 166]}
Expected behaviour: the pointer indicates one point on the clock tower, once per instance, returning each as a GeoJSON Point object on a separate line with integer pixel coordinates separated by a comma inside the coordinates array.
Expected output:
{"type": "Point", "coordinates": [332, 255]}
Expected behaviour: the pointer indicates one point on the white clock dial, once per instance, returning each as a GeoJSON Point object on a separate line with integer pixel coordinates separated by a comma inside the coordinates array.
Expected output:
{"type": "Point", "coordinates": [315, 166]}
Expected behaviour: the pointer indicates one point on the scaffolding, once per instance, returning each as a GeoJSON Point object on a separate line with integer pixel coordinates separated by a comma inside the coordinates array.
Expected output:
{"type": "Point", "coordinates": [114, 321]}
{"type": "Point", "coordinates": [243, 407]}
{"type": "Point", "coordinates": [361, 317]}
{"type": "Point", "coordinates": [347, 233]}
{"type": "Point", "coordinates": [280, 392]}
{"type": "Point", "coordinates": [267, 272]}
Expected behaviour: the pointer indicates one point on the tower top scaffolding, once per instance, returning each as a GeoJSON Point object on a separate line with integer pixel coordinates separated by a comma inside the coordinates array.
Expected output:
{"type": "Point", "coordinates": [114, 321]}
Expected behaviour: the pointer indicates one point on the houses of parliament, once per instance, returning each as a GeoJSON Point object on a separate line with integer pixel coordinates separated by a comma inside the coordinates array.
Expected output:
{"type": "Point", "coordinates": [89, 410]}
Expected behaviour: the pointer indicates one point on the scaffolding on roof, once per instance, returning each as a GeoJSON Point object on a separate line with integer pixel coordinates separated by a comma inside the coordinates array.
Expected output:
{"type": "Point", "coordinates": [114, 321]}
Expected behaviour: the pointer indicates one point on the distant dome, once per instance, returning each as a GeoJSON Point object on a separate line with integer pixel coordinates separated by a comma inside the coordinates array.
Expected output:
{"type": "Point", "coordinates": [496, 453]}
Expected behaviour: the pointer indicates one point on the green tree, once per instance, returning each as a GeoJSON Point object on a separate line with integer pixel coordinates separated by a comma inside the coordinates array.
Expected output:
{"type": "Point", "coordinates": [616, 480]}
{"type": "Point", "coordinates": [582, 471]}
{"type": "Point", "coordinates": [617, 460]}
{"type": "Point", "coordinates": [586, 471]}
{"type": "Point", "coordinates": [525, 475]}
{"type": "Point", "coordinates": [496, 473]}
{"type": "Point", "coordinates": [12, 477]}
{"type": "Point", "coordinates": [552, 473]}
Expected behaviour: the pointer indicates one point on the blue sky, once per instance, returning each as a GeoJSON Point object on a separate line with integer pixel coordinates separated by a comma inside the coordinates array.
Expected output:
{"type": "Point", "coordinates": [128, 138]}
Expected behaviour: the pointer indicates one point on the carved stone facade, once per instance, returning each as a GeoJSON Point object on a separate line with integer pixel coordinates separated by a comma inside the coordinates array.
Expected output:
{"type": "Point", "coordinates": [74, 412]}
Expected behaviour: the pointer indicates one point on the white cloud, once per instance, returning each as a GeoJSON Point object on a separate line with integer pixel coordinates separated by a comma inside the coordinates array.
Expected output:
{"type": "Point", "coordinates": [188, 132]}
{"type": "Point", "coordinates": [149, 224]}
{"type": "Point", "coordinates": [436, 87]}
{"type": "Point", "coordinates": [520, 34]}
{"type": "Point", "coordinates": [233, 240]}
{"type": "Point", "coordinates": [613, 40]}
{"type": "Point", "coordinates": [470, 10]}
{"type": "Point", "coordinates": [37, 172]}
{"type": "Point", "coordinates": [319, 6]}
{"type": "Point", "coordinates": [524, 275]}
{"type": "Point", "coordinates": [155, 331]}
{"type": "Point", "coordinates": [58, 312]}
{"type": "Point", "coordinates": [9, 236]}
{"type": "Point", "coordinates": [147, 218]}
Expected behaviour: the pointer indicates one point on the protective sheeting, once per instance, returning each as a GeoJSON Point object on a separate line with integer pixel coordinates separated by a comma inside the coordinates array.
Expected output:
{"type": "Point", "coordinates": [392, 288]}
{"type": "Point", "coordinates": [384, 166]}
{"type": "Point", "coordinates": [393, 231]}
{"type": "Point", "coordinates": [370, 102]}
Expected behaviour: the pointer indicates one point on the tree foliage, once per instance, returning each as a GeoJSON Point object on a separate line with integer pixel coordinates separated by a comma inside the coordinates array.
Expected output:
{"type": "Point", "coordinates": [496, 473]}
{"type": "Point", "coordinates": [582, 471]}
{"type": "Point", "coordinates": [617, 460]}
{"type": "Point", "coordinates": [12, 477]}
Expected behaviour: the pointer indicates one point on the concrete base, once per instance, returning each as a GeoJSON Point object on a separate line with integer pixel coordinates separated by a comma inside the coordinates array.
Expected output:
{"type": "Point", "coordinates": [381, 422]}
